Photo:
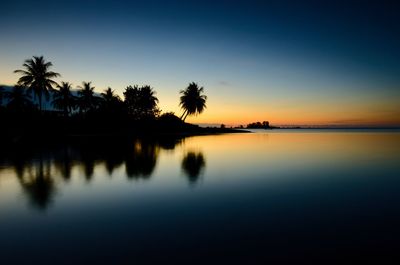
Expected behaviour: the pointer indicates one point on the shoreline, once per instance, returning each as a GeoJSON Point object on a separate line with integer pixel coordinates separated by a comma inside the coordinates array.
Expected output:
{"type": "Point", "coordinates": [38, 137]}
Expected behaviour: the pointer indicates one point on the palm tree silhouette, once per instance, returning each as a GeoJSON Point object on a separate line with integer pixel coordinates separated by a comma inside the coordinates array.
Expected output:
{"type": "Point", "coordinates": [63, 98]}
{"type": "Point", "coordinates": [141, 102]}
{"type": "Point", "coordinates": [87, 100]}
{"type": "Point", "coordinates": [37, 77]}
{"type": "Point", "coordinates": [148, 101]}
{"type": "Point", "coordinates": [109, 96]}
{"type": "Point", "coordinates": [192, 101]}
{"type": "Point", "coordinates": [109, 99]}
{"type": "Point", "coordinates": [18, 99]}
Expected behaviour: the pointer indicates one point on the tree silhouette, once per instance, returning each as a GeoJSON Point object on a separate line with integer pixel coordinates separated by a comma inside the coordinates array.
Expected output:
{"type": "Point", "coordinates": [141, 102]}
{"type": "Point", "coordinates": [87, 100]}
{"type": "Point", "coordinates": [37, 77]}
{"type": "Point", "coordinates": [109, 97]}
{"type": "Point", "coordinates": [18, 99]}
{"type": "Point", "coordinates": [110, 102]}
{"type": "Point", "coordinates": [63, 98]}
{"type": "Point", "coordinates": [258, 125]}
{"type": "Point", "coordinates": [192, 101]}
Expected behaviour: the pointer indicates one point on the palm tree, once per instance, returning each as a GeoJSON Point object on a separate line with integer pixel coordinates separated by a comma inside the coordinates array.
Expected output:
{"type": "Point", "coordinates": [37, 77]}
{"type": "Point", "coordinates": [87, 100]}
{"type": "Point", "coordinates": [148, 101]}
{"type": "Point", "coordinates": [192, 101]}
{"type": "Point", "coordinates": [141, 102]}
{"type": "Point", "coordinates": [18, 99]}
{"type": "Point", "coordinates": [109, 97]}
{"type": "Point", "coordinates": [63, 98]}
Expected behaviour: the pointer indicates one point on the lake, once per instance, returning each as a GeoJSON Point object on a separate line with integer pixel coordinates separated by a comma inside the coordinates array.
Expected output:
{"type": "Point", "coordinates": [281, 196]}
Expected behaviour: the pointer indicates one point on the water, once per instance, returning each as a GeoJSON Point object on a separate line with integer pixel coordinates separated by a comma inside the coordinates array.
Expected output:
{"type": "Point", "coordinates": [289, 196]}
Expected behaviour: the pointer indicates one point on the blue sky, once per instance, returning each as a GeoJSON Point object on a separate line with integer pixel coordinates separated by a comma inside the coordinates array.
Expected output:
{"type": "Point", "coordinates": [290, 62]}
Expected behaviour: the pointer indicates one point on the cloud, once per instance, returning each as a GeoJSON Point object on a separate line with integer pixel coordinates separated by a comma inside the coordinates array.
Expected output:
{"type": "Point", "coordinates": [224, 83]}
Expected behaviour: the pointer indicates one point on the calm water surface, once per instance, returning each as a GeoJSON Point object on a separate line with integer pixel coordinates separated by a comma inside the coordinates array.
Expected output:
{"type": "Point", "coordinates": [283, 196]}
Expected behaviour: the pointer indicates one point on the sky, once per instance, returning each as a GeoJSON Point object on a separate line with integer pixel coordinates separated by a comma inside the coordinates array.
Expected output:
{"type": "Point", "coordinates": [288, 62]}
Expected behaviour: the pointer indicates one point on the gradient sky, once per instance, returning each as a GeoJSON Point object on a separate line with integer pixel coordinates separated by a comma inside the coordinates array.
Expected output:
{"type": "Point", "coordinates": [289, 62]}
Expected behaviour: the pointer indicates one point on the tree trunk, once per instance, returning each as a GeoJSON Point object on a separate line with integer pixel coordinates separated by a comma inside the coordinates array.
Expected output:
{"type": "Point", "coordinates": [187, 113]}
{"type": "Point", "coordinates": [183, 114]}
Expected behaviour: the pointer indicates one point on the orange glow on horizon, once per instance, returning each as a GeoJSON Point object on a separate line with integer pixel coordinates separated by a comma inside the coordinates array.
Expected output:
{"type": "Point", "coordinates": [281, 117]}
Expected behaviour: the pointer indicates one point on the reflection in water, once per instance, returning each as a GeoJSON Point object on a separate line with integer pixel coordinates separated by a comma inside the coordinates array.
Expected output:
{"type": "Point", "coordinates": [38, 184]}
{"type": "Point", "coordinates": [64, 164]}
{"type": "Point", "coordinates": [88, 165]}
{"type": "Point", "coordinates": [141, 162]}
{"type": "Point", "coordinates": [193, 165]}
{"type": "Point", "coordinates": [306, 196]}
{"type": "Point", "coordinates": [37, 167]}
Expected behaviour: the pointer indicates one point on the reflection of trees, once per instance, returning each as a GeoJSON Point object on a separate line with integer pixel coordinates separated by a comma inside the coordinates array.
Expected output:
{"type": "Point", "coordinates": [19, 167]}
{"type": "Point", "coordinates": [37, 166]}
{"type": "Point", "coordinates": [193, 165]}
{"type": "Point", "coordinates": [88, 165]}
{"type": "Point", "coordinates": [88, 153]}
{"type": "Point", "coordinates": [112, 155]}
{"type": "Point", "coordinates": [169, 143]}
{"type": "Point", "coordinates": [111, 163]}
{"type": "Point", "coordinates": [141, 159]}
{"type": "Point", "coordinates": [38, 184]}
{"type": "Point", "coordinates": [64, 164]}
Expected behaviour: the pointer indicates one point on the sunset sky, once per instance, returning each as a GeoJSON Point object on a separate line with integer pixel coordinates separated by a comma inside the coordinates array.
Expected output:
{"type": "Point", "coordinates": [289, 62]}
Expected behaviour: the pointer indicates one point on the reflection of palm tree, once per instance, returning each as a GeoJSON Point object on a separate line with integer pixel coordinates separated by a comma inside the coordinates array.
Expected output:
{"type": "Point", "coordinates": [113, 158]}
{"type": "Point", "coordinates": [141, 161]}
{"type": "Point", "coordinates": [20, 166]}
{"type": "Point", "coordinates": [39, 186]}
{"type": "Point", "coordinates": [88, 163]}
{"type": "Point", "coordinates": [111, 163]}
{"type": "Point", "coordinates": [64, 164]}
{"type": "Point", "coordinates": [37, 77]}
{"type": "Point", "coordinates": [63, 98]}
{"type": "Point", "coordinates": [87, 100]}
{"type": "Point", "coordinates": [169, 142]}
{"type": "Point", "coordinates": [193, 164]}
{"type": "Point", "coordinates": [192, 101]}
{"type": "Point", "coordinates": [18, 99]}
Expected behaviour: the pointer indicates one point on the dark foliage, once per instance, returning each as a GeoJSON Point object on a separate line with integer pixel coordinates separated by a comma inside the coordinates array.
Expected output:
{"type": "Point", "coordinates": [37, 77]}
{"type": "Point", "coordinates": [39, 166]}
{"type": "Point", "coordinates": [63, 99]}
{"type": "Point", "coordinates": [141, 102]}
{"type": "Point", "coordinates": [192, 101]}
{"type": "Point", "coordinates": [85, 112]}
{"type": "Point", "coordinates": [87, 100]}
{"type": "Point", "coordinates": [259, 125]}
